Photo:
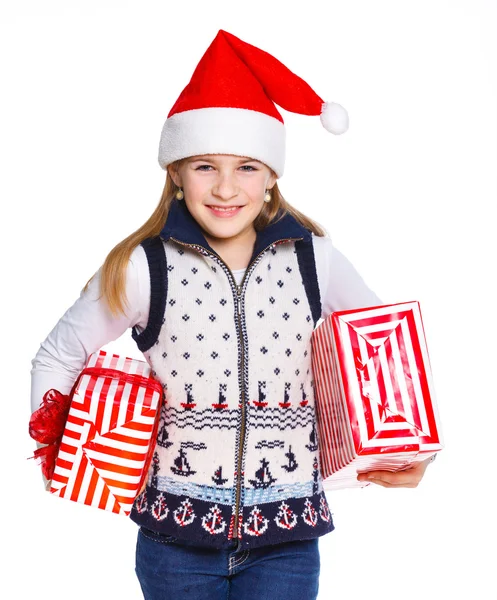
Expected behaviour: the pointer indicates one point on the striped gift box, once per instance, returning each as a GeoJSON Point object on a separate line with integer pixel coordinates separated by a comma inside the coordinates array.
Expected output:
{"type": "Point", "coordinates": [375, 403]}
{"type": "Point", "coordinates": [110, 433]}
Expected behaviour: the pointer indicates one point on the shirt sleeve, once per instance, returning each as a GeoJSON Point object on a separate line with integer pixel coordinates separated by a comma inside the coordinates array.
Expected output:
{"type": "Point", "coordinates": [86, 327]}
{"type": "Point", "coordinates": [340, 284]}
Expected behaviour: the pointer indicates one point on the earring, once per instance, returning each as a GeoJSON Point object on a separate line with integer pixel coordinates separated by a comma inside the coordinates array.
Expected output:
{"type": "Point", "coordinates": [179, 194]}
{"type": "Point", "coordinates": [267, 197]}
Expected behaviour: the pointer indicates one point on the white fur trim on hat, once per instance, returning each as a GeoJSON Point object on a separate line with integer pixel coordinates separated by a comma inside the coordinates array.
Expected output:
{"type": "Point", "coordinates": [237, 131]}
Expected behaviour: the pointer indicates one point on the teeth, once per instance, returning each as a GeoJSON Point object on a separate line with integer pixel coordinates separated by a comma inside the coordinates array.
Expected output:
{"type": "Point", "coordinates": [224, 209]}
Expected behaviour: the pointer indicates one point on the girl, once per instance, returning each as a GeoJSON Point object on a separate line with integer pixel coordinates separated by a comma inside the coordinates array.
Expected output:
{"type": "Point", "coordinates": [222, 288]}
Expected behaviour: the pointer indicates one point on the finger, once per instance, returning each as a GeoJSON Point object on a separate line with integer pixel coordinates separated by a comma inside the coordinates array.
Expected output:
{"type": "Point", "coordinates": [398, 479]}
{"type": "Point", "coordinates": [388, 484]}
{"type": "Point", "coordinates": [389, 479]}
{"type": "Point", "coordinates": [403, 471]}
{"type": "Point", "coordinates": [411, 475]}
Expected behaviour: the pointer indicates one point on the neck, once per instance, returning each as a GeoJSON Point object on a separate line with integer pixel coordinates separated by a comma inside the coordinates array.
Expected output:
{"type": "Point", "coordinates": [236, 252]}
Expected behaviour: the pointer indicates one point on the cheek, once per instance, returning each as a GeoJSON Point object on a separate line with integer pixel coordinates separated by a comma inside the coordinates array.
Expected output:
{"type": "Point", "coordinates": [197, 192]}
{"type": "Point", "coordinates": [254, 188]}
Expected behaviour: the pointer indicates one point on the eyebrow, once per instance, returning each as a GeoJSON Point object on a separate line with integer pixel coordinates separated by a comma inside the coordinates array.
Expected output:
{"type": "Point", "coordinates": [213, 159]}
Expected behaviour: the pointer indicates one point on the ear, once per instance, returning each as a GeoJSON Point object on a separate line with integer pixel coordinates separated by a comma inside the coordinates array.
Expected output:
{"type": "Point", "coordinates": [174, 175]}
{"type": "Point", "coordinates": [271, 181]}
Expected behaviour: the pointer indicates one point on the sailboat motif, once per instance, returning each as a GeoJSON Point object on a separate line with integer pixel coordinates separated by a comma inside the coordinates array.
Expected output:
{"type": "Point", "coordinates": [182, 466]}
{"type": "Point", "coordinates": [263, 475]}
{"type": "Point", "coordinates": [261, 402]}
{"type": "Point", "coordinates": [309, 514]}
{"type": "Point", "coordinates": [184, 514]}
{"type": "Point", "coordinates": [286, 403]}
{"type": "Point", "coordinates": [218, 476]}
{"type": "Point", "coordinates": [163, 437]}
{"type": "Point", "coordinates": [286, 518]}
{"type": "Point", "coordinates": [312, 446]}
{"type": "Point", "coordinates": [256, 524]}
{"type": "Point", "coordinates": [304, 400]}
{"type": "Point", "coordinates": [159, 508]}
{"type": "Point", "coordinates": [292, 463]}
{"type": "Point", "coordinates": [189, 404]}
{"type": "Point", "coordinates": [213, 521]}
{"type": "Point", "coordinates": [221, 403]}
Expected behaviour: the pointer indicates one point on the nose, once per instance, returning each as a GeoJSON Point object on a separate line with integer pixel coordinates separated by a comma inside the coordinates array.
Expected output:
{"type": "Point", "coordinates": [225, 187]}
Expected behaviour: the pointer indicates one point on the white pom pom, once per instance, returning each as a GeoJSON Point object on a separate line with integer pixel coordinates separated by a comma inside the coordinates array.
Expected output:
{"type": "Point", "coordinates": [334, 118]}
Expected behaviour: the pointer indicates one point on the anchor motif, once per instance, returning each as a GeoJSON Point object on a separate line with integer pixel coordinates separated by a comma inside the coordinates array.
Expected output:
{"type": "Point", "coordinates": [292, 463]}
{"type": "Point", "coordinates": [286, 518]}
{"type": "Point", "coordinates": [309, 514]}
{"type": "Point", "coordinates": [286, 403]}
{"type": "Point", "coordinates": [324, 510]}
{"type": "Point", "coordinates": [213, 521]}
{"type": "Point", "coordinates": [189, 404]}
{"type": "Point", "coordinates": [184, 514]}
{"type": "Point", "coordinates": [221, 403]}
{"type": "Point", "coordinates": [261, 403]}
{"type": "Point", "coordinates": [256, 524]}
{"type": "Point", "coordinates": [159, 508]}
{"type": "Point", "coordinates": [141, 504]}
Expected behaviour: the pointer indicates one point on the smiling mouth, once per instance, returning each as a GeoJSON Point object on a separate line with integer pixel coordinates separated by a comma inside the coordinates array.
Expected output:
{"type": "Point", "coordinates": [222, 211]}
{"type": "Point", "coordinates": [224, 207]}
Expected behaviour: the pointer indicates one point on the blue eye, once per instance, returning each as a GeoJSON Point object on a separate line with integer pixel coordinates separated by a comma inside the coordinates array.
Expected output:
{"type": "Point", "coordinates": [201, 168]}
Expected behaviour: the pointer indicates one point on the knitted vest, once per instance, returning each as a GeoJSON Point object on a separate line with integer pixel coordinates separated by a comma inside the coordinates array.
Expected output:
{"type": "Point", "coordinates": [237, 451]}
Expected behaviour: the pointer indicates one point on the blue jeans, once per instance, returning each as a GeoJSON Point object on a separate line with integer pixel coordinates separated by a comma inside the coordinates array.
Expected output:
{"type": "Point", "coordinates": [172, 569]}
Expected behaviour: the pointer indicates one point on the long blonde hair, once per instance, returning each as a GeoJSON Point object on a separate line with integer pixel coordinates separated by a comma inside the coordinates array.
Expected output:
{"type": "Point", "coordinates": [113, 270]}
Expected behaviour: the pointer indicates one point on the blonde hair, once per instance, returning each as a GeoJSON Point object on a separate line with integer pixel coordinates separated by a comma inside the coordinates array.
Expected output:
{"type": "Point", "coordinates": [113, 270]}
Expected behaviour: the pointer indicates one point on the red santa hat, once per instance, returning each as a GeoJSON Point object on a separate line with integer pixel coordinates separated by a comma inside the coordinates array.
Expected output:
{"type": "Point", "coordinates": [228, 106]}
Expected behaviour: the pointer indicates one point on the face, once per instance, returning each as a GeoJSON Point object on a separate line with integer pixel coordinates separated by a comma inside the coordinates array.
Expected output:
{"type": "Point", "coordinates": [224, 181]}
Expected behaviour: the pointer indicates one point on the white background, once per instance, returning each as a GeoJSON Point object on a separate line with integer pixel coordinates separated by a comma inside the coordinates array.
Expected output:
{"type": "Point", "coordinates": [406, 194]}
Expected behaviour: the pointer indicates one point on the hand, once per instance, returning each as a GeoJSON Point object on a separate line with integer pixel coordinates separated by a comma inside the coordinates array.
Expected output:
{"type": "Point", "coordinates": [408, 478]}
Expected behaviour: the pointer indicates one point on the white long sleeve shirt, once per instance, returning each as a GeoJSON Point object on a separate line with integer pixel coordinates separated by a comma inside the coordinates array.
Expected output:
{"type": "Point", "coordinates": [88, 324]}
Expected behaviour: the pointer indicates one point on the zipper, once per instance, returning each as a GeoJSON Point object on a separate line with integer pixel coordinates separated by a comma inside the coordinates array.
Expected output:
{"type": "Point", "coordinates": [239, 314]}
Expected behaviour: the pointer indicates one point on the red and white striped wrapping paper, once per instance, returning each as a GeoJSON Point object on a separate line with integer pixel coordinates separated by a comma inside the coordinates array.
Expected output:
{"type": "Point", "coordinates": [110, 433]}
{"type": "Point", "coordinates": [375, 402]}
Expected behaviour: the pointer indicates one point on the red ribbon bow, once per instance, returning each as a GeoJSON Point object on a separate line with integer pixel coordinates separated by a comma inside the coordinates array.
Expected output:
{"type": "Point", "coordinates": [46, 426]}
